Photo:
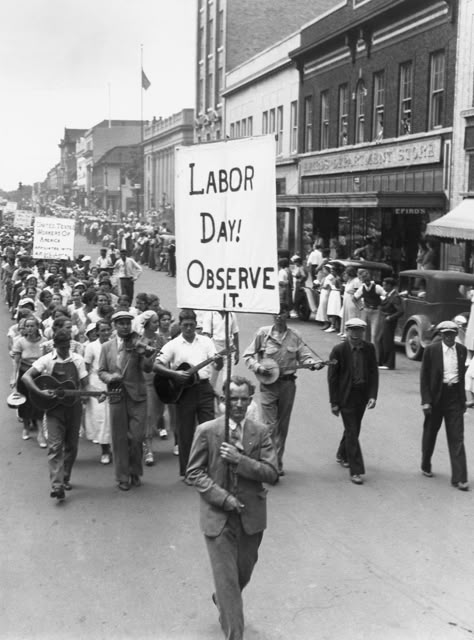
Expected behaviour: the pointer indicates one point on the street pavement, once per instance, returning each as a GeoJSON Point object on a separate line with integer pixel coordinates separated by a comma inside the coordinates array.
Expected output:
{"type": "Point", "coordinates": [392, 559]}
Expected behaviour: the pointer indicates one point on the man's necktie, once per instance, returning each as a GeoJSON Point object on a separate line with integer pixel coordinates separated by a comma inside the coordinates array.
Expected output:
{"type": "Point", "coordinates": [236, 436]}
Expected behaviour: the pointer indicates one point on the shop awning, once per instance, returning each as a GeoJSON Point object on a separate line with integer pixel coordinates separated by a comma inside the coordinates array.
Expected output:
{"type": "Point", "coordinates": [457, 223]}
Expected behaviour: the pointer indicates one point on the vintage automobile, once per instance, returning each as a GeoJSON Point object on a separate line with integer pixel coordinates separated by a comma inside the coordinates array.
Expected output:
{"type": "Point", "coordinates": [429, 297]}
{"type": "Point", "coordinates": [307, 300]}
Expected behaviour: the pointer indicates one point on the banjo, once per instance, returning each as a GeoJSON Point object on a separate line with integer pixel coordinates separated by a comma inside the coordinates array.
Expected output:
{"type": "Point", "coordinates": [273, 370]}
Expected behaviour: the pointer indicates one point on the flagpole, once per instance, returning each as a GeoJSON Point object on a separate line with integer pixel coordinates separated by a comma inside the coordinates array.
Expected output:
{"type": "Point", "coordinates": [141, 132]}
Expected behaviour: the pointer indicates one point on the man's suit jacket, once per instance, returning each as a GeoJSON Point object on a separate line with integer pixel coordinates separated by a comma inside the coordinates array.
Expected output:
{"type": "Point", "coordinates": [340, 374]}
{"type": "Point", "coordinates": [207, 471]}
{"type": "Point", "coordinates": [431, 374]}
{"type": "Point", "coordinates": [131, 369]}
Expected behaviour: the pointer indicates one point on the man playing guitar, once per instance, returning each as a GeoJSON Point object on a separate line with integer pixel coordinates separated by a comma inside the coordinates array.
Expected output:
{"type": "Point", "coordinates": [288, 351]}
{"type": "Point", "coordinates": [196, 402]}
{"type": "Point", "coordinates": [63, 422]}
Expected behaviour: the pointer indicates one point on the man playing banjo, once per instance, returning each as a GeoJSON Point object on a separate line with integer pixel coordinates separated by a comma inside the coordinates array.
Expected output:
{"type": "Point", "coordinates": [274, 355]}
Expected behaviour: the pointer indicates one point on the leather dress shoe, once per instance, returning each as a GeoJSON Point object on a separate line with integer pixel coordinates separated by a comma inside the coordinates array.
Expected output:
{"type": "Point", "coordinates": [135, 481]}
{"type": "Point", "coordinates": [124, 486]}
{"type": "Point", "coordinates": [427, 474]}
{"type": "Point", "coordinates": [58, 493]}
{"type": "Point", "coordinates": [462, 486]}
{"type": "Point", "coordinates": [67, 485]}
{"type": "Point", "coordinates": [356, 479]}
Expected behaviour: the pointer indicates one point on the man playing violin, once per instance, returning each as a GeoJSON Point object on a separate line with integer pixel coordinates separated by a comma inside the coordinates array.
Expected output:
{"type": "Point", "coordinates": [123, 360]}
{"type": "Point", "coordinates": [63, 422]}
{"type": "Point", "coordinates": [196, 402]}
{"type": "Point", "coordinates": [285, 347]}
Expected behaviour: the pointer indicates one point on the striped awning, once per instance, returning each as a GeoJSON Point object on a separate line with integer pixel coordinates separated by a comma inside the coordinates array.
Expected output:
{"type": "Point", "coordinates": [457, 223]}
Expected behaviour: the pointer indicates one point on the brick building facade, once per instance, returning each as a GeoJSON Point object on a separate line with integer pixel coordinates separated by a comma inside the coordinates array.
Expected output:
{"type": "Point", "coordinates": [375, 124]}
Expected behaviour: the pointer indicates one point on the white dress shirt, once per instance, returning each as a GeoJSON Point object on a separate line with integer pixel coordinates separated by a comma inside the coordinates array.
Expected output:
{"type": "Point", "coordinates": [450, 365]}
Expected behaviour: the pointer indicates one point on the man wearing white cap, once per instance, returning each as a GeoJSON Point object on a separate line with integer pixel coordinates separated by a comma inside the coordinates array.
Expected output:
{"type": "Point", "coordinates": [353, 385]}
{"type": "Point", "coordinates": [443, 397]}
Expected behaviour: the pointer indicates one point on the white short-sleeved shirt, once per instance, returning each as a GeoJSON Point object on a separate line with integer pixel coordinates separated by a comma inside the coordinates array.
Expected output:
{"type": "Point", "coordinates": [179, 350]}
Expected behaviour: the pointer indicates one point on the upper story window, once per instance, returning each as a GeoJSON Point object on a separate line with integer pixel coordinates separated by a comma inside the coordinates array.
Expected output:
{"type": "Point", "coordinates": [237, 129]}
{"type": "Point", "coordinates": [271, 121]}
{"type": "Point", "coordinates": [243, 128]}
{"type": "Point", "coordinates": [280, 130]}
{"type": "Point", "coordinates": [406, 97]}
{"type": "Point", "coordinates": [324, 127]}
{"type": "Point", "coordinates": [294, 127]}
{"type": "Point", "coordinates": [343, 123]}
{"type": "Point", "coordinates": [265, 122]}
{"type": "Point", "coordinates": [232, 130]}
{"type": "Point", "coordinates": [250, 126]}
{"type": "Point", "coordinates": [361, 93]}
{"type": "Point", "coordinates": [210, 36]}
{"type": "Point", "coordinates": [437, 88]}
{"type": "Point", "coordinates": [308, 124]}
{"type": "Point", "coordinates": [210, 90]}
{"type": "Point", "coordinates": [379, 105]}
{"type": "Point", "coordinates": [220, 28]}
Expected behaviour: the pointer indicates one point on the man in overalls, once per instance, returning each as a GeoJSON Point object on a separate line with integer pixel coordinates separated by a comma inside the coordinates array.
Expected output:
{"type": "Point", "coordinates": [63, 422]}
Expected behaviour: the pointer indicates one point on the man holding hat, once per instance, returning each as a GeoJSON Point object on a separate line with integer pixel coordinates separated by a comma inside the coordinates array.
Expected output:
{"type": "Point", "coordinates": [443, 397]}
{"type": "Point", "coordinates": [121, 364]}
{"type": "Point", "coordinates": [353, 385]}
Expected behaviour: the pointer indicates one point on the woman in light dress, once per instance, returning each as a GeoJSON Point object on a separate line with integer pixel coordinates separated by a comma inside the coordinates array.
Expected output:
{"type": "Point", "coordinates": [334, 300]}
{"type": "Point", "coordinates": [322, 315]}
{"type": "Point", "coordinates": [350, 308]}
{"type": "Point", "coordinates": [96, 414]}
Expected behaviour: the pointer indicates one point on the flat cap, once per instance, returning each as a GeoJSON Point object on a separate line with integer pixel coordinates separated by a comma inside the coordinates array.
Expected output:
{"type": "Point", "coordinates": [122, 315]}
{"type": "Point", "coordinates": [86, 259]}
{"type": "Point", "coordinates": [447, 325]}
{"type": "Point", "coordinates": [354, 323]}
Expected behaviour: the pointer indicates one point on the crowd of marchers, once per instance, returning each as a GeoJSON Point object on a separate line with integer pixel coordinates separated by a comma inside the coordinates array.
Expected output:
{"type": "Point", "coordinates": [92, 357]}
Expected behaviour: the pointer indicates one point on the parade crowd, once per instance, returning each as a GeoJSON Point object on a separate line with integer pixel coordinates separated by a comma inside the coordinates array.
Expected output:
{"type": "Point", "coordinates": [92, 357]}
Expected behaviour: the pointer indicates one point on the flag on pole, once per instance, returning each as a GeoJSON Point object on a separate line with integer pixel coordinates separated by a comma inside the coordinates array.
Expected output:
{"type": "Point", "coordinates": [145, 82]}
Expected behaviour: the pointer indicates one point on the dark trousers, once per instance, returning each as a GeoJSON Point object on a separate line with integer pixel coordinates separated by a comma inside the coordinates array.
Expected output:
{"type": "Point", "coordinates": [352, 414]}
{"type": "Point", "coordinates": [276, 401]}
{"type": "Point", "coordinates": [387, 343]}
{"type": "Point", "coordinates": [128, 421]}
{"type": "Point", "coordinates": [233, 555]}
{"type": "Point", "coordinates": [452, 410]}
{"type": "Point", "coordinates": [63, 438]}
{"type": "Point", "coordinates": [195, 406]}
{"type": "Point", "coordinates": [126, 288]}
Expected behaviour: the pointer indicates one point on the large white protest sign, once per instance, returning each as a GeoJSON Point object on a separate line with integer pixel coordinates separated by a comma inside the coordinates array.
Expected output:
{"type": "Point", "coordinates": [23, 219]}
{"type": "Point", "coordinates": [53, 238]}
{"type": "Point", "coordinates": [226, 241]}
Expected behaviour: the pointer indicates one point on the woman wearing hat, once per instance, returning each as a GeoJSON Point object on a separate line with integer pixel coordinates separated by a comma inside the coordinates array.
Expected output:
{"type": "Point", "coordinates": [97, 414]}
{"type": "Point", "coordinates": [26, 350]}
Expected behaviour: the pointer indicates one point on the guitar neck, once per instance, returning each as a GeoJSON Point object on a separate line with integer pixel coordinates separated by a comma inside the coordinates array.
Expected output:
{"type": "Point", "coordinates": [196, 367]}
{"type": "Point", "coordinates": [308, 366]}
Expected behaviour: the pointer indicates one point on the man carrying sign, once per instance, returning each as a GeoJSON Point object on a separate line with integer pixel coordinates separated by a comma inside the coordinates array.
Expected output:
{"type": "Point", "coordinates": [278, 349]}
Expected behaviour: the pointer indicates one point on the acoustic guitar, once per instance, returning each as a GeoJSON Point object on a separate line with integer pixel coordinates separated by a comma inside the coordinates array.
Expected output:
{"type": "Point", "coordinates": [169, 390]}
{"type": "Point", "coordinates": [273, 370]}
{"type": "Point", "coordinates": [65, 393]}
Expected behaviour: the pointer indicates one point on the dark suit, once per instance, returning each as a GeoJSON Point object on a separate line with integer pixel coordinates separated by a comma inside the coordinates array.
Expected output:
{"type": "Point", "coordinates": [232, 539]}
{"type": "Point", "coordinates": [352, 398]}
{"type": "Point", "coordinates": [446, 402]}
{"type": "Point", "coordinates": [128, 415]}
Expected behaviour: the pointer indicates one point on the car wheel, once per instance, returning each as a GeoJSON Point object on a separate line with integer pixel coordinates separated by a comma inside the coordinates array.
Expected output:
{"type": "Point", "coordinates": [413, 346]}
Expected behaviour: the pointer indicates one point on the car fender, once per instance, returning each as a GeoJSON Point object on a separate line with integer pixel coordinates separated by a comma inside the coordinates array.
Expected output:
{"type": "Point", "coordinates": [424, 325]}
